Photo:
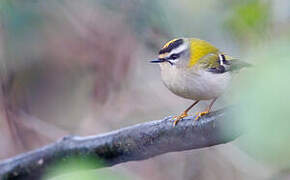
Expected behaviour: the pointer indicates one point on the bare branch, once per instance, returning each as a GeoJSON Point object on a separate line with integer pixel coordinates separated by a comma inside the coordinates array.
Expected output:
{"type": "Point", "coordinates": [133, 143]}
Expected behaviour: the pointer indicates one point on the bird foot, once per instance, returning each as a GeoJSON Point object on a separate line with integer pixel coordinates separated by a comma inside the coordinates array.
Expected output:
{"type": "Point", "coordinates": [178, 118]}
{"type": "Point", "coordinates": [199, 114]}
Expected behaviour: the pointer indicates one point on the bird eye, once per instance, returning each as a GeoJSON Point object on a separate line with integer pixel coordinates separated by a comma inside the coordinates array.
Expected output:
{"type": "Point", "coordinates": [174, 56]}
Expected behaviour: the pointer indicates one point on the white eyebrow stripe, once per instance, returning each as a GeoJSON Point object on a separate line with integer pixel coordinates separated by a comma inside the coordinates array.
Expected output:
{"type": "Point", "coordinates": [178, 50]}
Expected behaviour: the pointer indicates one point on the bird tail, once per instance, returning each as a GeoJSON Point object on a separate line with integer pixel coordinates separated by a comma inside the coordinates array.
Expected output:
{"type": "Point", "coordinates": [237, 64]}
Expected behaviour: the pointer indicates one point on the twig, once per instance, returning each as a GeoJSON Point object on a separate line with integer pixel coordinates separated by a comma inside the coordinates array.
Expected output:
{"type": "Point", "coordinates": [133, 143]}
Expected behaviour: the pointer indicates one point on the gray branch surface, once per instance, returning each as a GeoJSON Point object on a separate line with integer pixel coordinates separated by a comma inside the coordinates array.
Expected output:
{"type": "Point", "coordinates": [138, 142]}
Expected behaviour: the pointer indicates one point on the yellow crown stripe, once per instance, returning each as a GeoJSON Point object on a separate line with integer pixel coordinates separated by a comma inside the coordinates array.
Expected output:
{"type": "Point", "coordinates": [169, 42]}
{"type": "Point", "coordinates": [199, 49]}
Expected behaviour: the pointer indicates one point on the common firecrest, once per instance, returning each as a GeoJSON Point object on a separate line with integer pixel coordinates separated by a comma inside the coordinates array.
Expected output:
{"type": "Point", "coordinates": [195, 69]}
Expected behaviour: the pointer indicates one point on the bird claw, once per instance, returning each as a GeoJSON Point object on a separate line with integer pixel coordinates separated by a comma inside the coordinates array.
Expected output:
{"type": "Point", "coordinates": [199, 114]}
{"type": "Point", "coordinates": [178, 118]}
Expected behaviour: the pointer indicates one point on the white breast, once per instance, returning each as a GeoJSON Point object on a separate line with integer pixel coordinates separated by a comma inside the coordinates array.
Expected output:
{"type": "Point", "coordinates": [194, 83]}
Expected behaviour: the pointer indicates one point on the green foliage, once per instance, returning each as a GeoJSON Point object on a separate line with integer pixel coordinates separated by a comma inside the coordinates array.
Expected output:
{"type": "Point", "coordinates": [249, 19]}
{"type": "Point", "coordinates": [80, 168]}
{"type": "Point", "coordinates": [20, 17]}
{"type": "Point", "coordinates": [265, 108]}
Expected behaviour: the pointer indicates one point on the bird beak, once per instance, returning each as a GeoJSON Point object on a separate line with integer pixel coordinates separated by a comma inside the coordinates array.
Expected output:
{"type": "Point", "coordinates": [160, 60]}
{"type": "Point", "coordinates": [157, 61]}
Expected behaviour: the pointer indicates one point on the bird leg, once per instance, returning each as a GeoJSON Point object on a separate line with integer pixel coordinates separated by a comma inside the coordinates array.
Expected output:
{"type": "Point", "coordinates": [199, 114]}
{"type": "Point", "coordinates": [184, 114]}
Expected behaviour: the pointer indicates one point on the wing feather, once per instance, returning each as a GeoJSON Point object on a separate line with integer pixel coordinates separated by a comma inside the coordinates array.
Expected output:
{"type": "Point", "coordinates": [221, 63]}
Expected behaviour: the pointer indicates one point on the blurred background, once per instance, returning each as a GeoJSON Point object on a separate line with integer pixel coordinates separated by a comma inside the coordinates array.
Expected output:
{"type": "Point", "coordinates": [81, 67]}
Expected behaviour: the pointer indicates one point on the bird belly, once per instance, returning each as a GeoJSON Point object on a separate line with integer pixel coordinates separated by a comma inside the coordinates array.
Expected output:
{"type": "Point", "coordinates": [198, 84]}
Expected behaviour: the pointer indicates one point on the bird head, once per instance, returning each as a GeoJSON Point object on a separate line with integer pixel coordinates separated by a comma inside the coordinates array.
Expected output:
{"type": "Point", "coordinates": [184, 52]}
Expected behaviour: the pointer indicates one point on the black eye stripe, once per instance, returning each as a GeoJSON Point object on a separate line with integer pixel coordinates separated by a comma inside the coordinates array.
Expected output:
{"type": "Point", "coordinates": [174, 56]}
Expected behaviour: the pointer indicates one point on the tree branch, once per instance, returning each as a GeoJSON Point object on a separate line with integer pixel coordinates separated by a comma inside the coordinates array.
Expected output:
{"type": "Point", "coordinates": [138, 142]}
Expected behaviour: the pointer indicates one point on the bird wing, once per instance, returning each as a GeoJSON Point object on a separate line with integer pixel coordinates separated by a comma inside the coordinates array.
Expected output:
{"type": "Point", "coordinates": [220, 63]}
{"type": "Point", "coordinates": [211, 60]}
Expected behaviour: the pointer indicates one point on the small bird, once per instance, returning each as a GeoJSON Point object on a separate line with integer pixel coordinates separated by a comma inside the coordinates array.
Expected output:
{"type": "Point", "coordinates": [194, 69]}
